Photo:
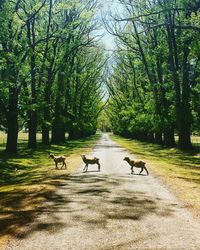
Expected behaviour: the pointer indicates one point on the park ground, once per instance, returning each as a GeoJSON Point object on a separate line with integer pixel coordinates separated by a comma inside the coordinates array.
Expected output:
{"type": "Point", "coordinates": [180, 170]}
{"type": "Point", "coordinates": [29, 178]}
{"type": "Point", "coordinates": [100, 210]}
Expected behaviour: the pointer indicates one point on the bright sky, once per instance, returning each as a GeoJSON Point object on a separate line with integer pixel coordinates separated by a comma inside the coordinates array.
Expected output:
{"type": "Point", "coordinates": [108, 7]}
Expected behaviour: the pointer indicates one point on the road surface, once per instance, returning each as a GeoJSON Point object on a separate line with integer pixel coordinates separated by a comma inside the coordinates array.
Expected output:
{"type": "Point", "coordinates": [111, 209]}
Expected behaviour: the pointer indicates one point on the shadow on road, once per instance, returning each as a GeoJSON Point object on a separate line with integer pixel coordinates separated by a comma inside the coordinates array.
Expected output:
{"type": "Point", "coordinates": [74, 200]}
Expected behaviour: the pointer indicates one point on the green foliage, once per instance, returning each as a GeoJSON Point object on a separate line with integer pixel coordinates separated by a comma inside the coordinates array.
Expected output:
{"type": "Point", "coordinates": [50, 66]}
{"type": "Point", "coordinates": [154, 82]}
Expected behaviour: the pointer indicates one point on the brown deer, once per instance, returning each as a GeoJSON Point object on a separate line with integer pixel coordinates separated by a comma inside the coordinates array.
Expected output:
{"type": "Point", "coordinates": [58, 159]}
{"type": "Point", "coordinates": [90, 161]}
{"type": "Point", "coordinates": [137, 164]}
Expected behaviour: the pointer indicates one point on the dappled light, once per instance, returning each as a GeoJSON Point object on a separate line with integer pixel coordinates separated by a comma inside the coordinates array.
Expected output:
{"type": "Point", "coordinates": [72, 197]}
{"type": "Point", "coordinates": [99, 124]}
{"type": "Point", "coordinates": [50, 204]}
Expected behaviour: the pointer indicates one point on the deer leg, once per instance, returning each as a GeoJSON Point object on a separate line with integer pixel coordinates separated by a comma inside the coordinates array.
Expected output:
{"type": "Point", "coordinates": [141, 171]}
{"type": "Point", "coordinates": [85, 168]}
{"type": "Point", "coordinates": [132, 170]}
{"type": "Point", "coordinates": [146, 170]}
{"type": "Point", "coordinates": [62, 164]}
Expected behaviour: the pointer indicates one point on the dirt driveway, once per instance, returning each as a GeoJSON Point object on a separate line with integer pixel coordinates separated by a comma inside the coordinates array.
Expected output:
{"type": "Point", "coordinates": [111, 209]}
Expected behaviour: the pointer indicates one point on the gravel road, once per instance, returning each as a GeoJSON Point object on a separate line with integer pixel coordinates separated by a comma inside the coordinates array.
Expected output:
{"type": "Point", "coordinates": [111, 209]}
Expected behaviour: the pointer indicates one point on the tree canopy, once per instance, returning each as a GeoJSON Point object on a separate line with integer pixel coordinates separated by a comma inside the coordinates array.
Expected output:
{"type": "Point", "coordinates": [154, 87]}
{"type": "Point", "coordinates": [51, 69]}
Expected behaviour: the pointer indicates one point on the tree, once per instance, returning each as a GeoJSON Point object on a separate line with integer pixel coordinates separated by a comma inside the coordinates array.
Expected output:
{"type": "Point", "coordinates": [43, 76]}
{"type": "Point", "coordinates": [158, 37]}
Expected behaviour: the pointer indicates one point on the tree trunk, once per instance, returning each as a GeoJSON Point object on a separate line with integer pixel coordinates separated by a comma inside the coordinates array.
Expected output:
{"type": "Point", "coordinates": [169, 139]}
{"type": "Point", "coordinates": [184, 122]}
{"type": "Point", "coordinates": [184, 137]}
{"type": "Point", "coordinates": [62, 135]}
{"type": "Point", "coordinates": [74, 135]}
{"type": "Point", "coordinates": [151, 137]}
{"type": "Point", "coordinates": [158, 138]}
{"type": "Point", "coordinates": [58, 133]}
{"type": "Point", "coordinates": [58, 126]}
{"type": "Point", "coordinates": [12, 121]}
{"type": "Point", "coordinates": [55, 137]}
{"type": "Point", "coordinates": [32, 123]}
{"type": "Point", "coordinates": [32, 128]}
{"type": "Point", "coordinates": [184, 117]}
{"type": "Point", "coordinates": [46, 116]}
{"type": "Point", "coordinates": [45, 135]}
{"type": "Point", "coordinates": [45, 126]}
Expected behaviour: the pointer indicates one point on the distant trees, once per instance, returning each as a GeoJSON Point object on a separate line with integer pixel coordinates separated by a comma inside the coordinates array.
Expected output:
{"type": "Point", "coordinates": [50, 69]}
{"type": "Point", "coordinates": [155, 82]}
{"type": "Point", "coordinates": [104, 123]}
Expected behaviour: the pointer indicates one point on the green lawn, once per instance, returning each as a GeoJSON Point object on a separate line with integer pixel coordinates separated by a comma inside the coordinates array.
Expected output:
{"type": "Point", "coordinates": [29, 178]}
{"type": "Point", "coordinates": [194, 139]}
{"type": "Point", "coordinates": [180, 170]}
{"type": "Point", "coordinates": [22, 138]}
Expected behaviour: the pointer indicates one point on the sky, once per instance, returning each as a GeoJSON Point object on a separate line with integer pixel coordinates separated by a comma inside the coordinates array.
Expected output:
{"type": "Point", "coordinates": [108, 7]}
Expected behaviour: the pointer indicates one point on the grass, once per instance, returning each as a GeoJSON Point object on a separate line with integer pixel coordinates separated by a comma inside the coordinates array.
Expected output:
{"type": "Point", "coordinates": [23, 138]}
{"type": "Point", "coordinates": [29, 178]}
{"type": "Point", "coordinates": [180, 170]}
{"type": "Point", "coordinates": [195, 140]}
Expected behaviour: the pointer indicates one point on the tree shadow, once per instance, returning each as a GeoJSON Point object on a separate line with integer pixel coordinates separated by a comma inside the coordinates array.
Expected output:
{"type": "Point", "coordinates": [73, 198]}
{"type": "Point", "coordinates": [25, 167]}
{"type": "Point", "coordinates": [138, 174]}
{"type": "Point", "coordinates": [91, 171]}
{"type": "Point", "coordinates": [191, 179]}
{"type": "Point", "coordinates": [18, 212]}
{"type": "Point", "coordinates": [177, 157]}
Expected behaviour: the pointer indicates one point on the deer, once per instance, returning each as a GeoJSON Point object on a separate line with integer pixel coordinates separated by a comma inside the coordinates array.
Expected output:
{"type": "Point", "coordinates": [137, 164]}
{"type": "Point", "coordinates": [88, 161]}
{"type": "Point", "coordinates": [58, 159]}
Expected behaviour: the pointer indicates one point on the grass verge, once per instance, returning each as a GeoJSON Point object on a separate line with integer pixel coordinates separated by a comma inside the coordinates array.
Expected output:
{"type": "Point", "coordinates": [29, 178]}
{"type": "Point", "coordinates": [180, 170]}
